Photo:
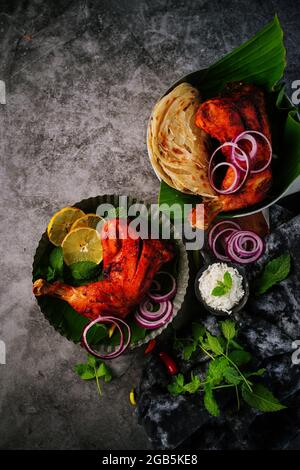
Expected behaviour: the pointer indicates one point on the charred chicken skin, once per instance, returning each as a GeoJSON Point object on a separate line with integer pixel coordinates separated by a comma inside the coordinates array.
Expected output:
{"type": "Point", "coordinates": [129, 265]}
{"type": "Point", "coordinates": [241, 107]}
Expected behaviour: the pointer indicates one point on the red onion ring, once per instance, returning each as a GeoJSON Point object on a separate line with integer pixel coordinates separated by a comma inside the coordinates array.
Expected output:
{"type": "Point", "coordinates": [151, 325]}
{"type": "Point", "coordinates": [169, 295]}
{"type": "Point", "coordinates": [237, 253]}
{"type": "Point", "coordinates": [240, 157]}
{"type": "Point", "coordinates": [121, 348]}
{"type": "Point", "coordinates": [237, 184]}
{"type": "Point", "coordinates": [247, 135]}
{"type": "Point", "coordinates": [152, 315]}
{"type": "Point", "coordinates": [218, 225]}
{"type": "Point", "coordinates": [235, 249]}
{"type": "Point", "coordinates": [214, 249]}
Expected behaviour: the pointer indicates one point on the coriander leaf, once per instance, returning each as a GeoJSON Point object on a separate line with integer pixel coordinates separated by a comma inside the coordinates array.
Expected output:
{"type": "Point", "coordinates": [240, 357]}
{"type": "Point", "coordinates": [261, 398]}
{"type": "Point", "coordinates": [216, 369]}
{"type": "Point", "coordinates": [274, 271]}
{"type": "Point", "coordinates": [232, 376]}
{"type": "Point", "coordinates": [228, 329]}
{"type": "Point", "coordinates": [218, 291]}
{"type": "Point", "coordinates": [188, 350]}
{"type": "Point", "coordinates": [177, 386]}
{"type": "Point", "coordinates": [214, 344]}
{"type": "Point", "coordinates": [198, 331]}
{"type": "Point", "coordinates": [210, 402]}
{"type": "Point", "coordinates": [194, 385]}
{"type": "Point", "coordinates": [56, 260]}
{"type": "Point", "coordinates": [227, 280]}
{"type": "Point", "coordinates": [85, 371]}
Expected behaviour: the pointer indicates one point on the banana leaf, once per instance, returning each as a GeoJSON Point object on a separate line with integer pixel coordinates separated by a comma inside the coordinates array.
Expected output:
{"type": "Point", "coordinates": [261, 61]}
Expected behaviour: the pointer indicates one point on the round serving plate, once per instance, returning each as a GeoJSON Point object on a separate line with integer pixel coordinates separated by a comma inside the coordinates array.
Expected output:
{"type": "Point", "coordinates": [195, 79]}
{"type": "Point", "coordinates": [66, 320]}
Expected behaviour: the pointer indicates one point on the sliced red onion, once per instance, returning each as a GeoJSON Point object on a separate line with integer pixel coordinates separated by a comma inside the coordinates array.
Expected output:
{"type": "Point", "coordinates": [247, 135]}
{"type": "Point", "coordinates": [237, 183]}
{"type": "Point", "coordinates": [214, 248]}
{"type": "Point", "coordinates": [167, 296]}
{"type": "Point", "coordinates": [122, 346]}
{"type": "Point", "coordinates": [235, 155]}
{"type": "Point", "coordinates": [153, 324]}
{"type": "Point", "coordinates": [236, 251]}
{"type": "Point", "coordinates": [151, 315]}
{"type": "Point", "coordinates": [221, 225]}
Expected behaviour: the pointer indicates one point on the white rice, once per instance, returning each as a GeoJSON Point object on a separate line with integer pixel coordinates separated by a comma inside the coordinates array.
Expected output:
{"type": "Point", "coordinates": [209, 280]}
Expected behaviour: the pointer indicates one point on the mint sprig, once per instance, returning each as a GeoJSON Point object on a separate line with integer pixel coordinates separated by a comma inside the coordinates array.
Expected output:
{"type": "Point", "coordinates": [274, 272]}
{"type": "Point", "coordinates": [227, 361]}
{"type": "Point", "coordinates": [223, 287]}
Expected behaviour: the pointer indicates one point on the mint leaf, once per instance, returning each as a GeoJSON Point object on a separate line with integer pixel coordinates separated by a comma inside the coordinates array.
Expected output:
{"type": "Point", "coordinates": [240, 357]}
{"type": "Point", "coordinates": [228, 329]}
{"type": "Point", "coordinates": [227, 280]}
{"type": "Point", "coordinates": [223, 287]}
{"type": "Point", "coordinates": [85, 371]}
{"type": "Point", "coordinates": [261, 398]}
{"type": "Point", "coordinates": [50, 274]}
{"type": "Point", "coordinates": [216, 369]}
{"type": "Point", "coordinates": [91, 360]}
{"type": "Point", "coordinates": [258, 373]}
{"type": "Point", "coordinates": [177, 386]}
{"type": "Point", "coordinates": [198, 331]}
{"type": "Point", "coordinates": [194, 385]}
{"type": "Point", "coordinates": [84, 270]}
{"type": "Point", "coordinates": [214, 344]}
{"type": "Point", "coordinates": [210, 402]}
{"type": "Point", "coordinates": [104, 371]}
{"type": "Point", "coordinates": [188, 350]}
{"type": "Point", "coordinates": [219, 290]}
{"type": "Point", "coordinates": [274, 271]}
{"type": "Point", "coordinates": [232, 376]}
{"type": "Point", "coordinates": [236, 345]}
{"type": "Point", "coordinates": [56, 261]}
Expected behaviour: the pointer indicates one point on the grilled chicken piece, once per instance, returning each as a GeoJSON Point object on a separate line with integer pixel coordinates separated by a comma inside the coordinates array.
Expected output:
{"type": "Point", "coordinates": [241, 107]}
{"type": "Point", "coordinates": [129, 265]}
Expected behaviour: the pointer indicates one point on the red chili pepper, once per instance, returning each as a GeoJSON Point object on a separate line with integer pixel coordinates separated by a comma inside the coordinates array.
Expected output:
{"type": "Point", "coordinates": [169, 363]}
{"type": "Point", "coordinates": [150, 346]}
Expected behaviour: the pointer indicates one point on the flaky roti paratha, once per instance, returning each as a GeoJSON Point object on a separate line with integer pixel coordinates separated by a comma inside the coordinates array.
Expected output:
{"type": "Point", "coordinates": [178, 149]}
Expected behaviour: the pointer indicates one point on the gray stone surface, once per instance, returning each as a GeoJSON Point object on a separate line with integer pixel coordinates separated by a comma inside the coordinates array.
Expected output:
{"type": "Point", "coordinates": [81, 78]}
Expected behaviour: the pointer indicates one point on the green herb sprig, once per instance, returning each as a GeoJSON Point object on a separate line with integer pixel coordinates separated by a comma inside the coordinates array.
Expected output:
{"type": "Point", "coordinates": [223, 287]}
{"type": "Point", "coordinates": [94, 369]}
{"type": "Point", "coordinates": [274, 272]}
{"type": "Point", "coordinates": [226, 359]}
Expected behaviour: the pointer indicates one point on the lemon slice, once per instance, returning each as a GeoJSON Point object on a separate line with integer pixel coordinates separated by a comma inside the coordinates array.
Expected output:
{"type": "Point", "coordinates": [90, 221]}
{"type": "Point", "coordinates": [82, 244]}
{"type": "Point", "coordinates": [61, 223]}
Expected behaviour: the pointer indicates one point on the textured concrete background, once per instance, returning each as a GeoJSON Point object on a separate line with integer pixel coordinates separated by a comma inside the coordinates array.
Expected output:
{"type": "Point", "coordinates": [81, 79]}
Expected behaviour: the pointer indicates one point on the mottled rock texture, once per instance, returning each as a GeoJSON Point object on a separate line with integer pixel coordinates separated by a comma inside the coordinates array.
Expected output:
{"type": "Point", "coordinates": [81, 79]}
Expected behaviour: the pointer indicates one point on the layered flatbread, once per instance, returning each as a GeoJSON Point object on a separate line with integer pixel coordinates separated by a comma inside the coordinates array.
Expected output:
{"type": "Point", "coordinates": [178, 149]}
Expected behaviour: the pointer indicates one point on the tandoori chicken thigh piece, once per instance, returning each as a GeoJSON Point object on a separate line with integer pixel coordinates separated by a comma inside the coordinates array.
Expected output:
{"type": "Point", "coordinates": [241, 107]}
{"type": "Point", "coordinates": [129, 266]}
